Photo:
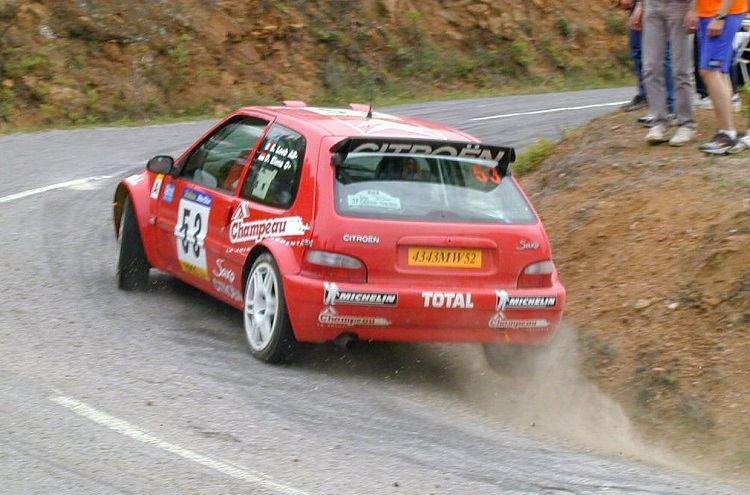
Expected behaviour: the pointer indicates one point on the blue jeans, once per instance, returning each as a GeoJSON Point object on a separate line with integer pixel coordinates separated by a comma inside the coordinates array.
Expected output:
{"type": "Point", "coordinates": [636, 37]}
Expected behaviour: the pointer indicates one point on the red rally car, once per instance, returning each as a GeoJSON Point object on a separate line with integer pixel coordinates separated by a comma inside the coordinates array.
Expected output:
{"type": "Point", "coordinates": [326, 224]}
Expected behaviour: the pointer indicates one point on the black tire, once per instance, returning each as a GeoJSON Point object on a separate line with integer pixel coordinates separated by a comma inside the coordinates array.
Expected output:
{"type": "Point", "coordinates": [267, 327]}
{"type": "Point", "coordinates": [132, 264]}
{"type": "Point", "coordinates": [512, 359]}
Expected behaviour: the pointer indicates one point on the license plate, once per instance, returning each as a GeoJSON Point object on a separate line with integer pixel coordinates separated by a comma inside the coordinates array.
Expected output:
{"type": "Point", "coordinates": [450, 257]}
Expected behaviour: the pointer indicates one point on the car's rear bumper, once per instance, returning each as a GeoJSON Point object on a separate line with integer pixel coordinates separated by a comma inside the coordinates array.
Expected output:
{"type": "Point", "coordinates": [321, 311]}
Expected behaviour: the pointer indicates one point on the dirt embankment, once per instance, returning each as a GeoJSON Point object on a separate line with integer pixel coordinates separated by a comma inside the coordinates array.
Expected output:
{"type": "Point", "coordinates": [652, 244]}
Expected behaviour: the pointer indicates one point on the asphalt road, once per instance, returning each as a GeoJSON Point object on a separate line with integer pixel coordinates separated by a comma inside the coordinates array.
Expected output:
{"type": "Point", "coordinates": [108, 392]}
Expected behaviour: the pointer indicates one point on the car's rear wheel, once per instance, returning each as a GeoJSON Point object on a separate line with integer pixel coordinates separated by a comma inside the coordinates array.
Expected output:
{"type": "Point", "coordinates": [267, 326]}
{"type": "Point", "coordinates": [132, 264]}
{"type": "Point", "coordinates": [512, 359]}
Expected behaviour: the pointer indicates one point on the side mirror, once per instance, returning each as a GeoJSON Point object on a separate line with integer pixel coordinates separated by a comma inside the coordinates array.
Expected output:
{"type": "Point", "coordinates": [161, 164]}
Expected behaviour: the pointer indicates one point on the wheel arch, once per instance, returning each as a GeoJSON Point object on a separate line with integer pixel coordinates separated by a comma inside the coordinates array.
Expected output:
{"type": "Point", "coordinates": [139, 198]}
{"type": "Point", "coordinates": [282, 254]}
{"type": "Point", "coordinates": [118, 206]}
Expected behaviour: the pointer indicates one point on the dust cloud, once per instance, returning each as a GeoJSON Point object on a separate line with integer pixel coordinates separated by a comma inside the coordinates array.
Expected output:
{"type": "Point", "coordinates": [552, 400]}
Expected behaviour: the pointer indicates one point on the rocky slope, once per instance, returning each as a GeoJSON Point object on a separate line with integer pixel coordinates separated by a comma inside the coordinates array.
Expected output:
{"type": "Point", "coordinates": [652, 244]}
{"type": "Point", "coordinates": [74, 61]}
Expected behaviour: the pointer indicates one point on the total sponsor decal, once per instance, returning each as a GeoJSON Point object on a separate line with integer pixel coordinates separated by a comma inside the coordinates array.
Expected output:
{"type": "Point", "coordinates": [506, 301]}
{"type": "Point", "coordinates": [334, 295]}
{"type": "Point", "coordinates": [244, 230]}
{"type": "Point", "coordinates": [447, 300]}
{"type": "Point", "coordinates": [329, 316]}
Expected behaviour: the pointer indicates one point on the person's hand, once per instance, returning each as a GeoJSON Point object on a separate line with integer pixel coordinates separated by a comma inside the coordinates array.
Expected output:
{"type": "Point", "coordinates": [636, 17]}
{"type": "Point", "coordinates": [691, 21]}
{"type": "Point", "coordinates": [715, 27]}
{"type": "Point", "coordinates": [625, 4]}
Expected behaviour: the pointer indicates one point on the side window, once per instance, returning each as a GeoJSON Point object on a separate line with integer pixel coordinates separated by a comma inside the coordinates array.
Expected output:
{"type": "Point", "coordinates": [275, 171]}
{"type": "Point", "coordinates": [218, 161]}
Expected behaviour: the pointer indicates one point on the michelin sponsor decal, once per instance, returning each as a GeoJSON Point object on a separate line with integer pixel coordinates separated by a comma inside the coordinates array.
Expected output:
{"type": "Point", "coordinates": [506, 301]}
{"type": "Point", "coordinates": [334, 295]}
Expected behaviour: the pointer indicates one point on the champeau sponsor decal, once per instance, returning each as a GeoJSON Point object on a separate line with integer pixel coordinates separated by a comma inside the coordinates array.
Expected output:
{"type": "Point", "coordinates": [329, 316]}
{"type": "Point", "coordinates": [334, 295]}
{"type": "Point", "coordinates": [242, 229]}
{"type": "Point", "coordinates": [499, 321]}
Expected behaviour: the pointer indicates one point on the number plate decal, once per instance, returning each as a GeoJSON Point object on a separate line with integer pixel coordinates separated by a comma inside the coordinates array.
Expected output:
{"type": "Point", "coordinates": [448, 257]}
{"type": "Point", "coordinates": [190, 231]}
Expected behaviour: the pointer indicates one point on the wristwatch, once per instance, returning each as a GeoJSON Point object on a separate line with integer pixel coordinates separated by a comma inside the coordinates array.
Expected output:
{"type": "Point", "coordinates": [720, 17]}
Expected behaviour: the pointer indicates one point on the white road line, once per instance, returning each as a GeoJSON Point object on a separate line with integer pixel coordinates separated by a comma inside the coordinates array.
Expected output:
{"type": "Point", "coordinates": [63, 185]}
{"type": "Point", "coordinates": [134, 432]}
{"type": "Point", "coordinates": [549, 110]}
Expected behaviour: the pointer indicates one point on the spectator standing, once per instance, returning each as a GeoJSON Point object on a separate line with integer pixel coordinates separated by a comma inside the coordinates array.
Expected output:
{"type": "Point", "coordinates": [703, 100]}
{"type": "Point", "coordinates": [664, 25]}
{"type": "Point", "coordinates": [717, 23]}
{"type": "Point", "coordinates": [635, 36]}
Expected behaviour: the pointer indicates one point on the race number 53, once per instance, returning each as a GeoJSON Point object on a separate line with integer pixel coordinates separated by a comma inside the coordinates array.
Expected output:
{"type": "Point", "coordinates": [190, 231]}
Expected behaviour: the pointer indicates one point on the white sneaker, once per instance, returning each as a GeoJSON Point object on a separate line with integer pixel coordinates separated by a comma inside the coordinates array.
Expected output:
{"type": "Point", "coordinates": [657, 134]}
{"type": "Point", "coordinates": [648, 120]}
{"type": "Point", "coordinates": [742, 144]}
{"type": "Point", "coordinates": [704, 102]}
{"type": "Point", "coordinates": [736, 103]}
{"type": "Point", "coordinates": [683, 136]}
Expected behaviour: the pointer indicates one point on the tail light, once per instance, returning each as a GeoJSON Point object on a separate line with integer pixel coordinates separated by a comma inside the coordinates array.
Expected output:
{"type": "Point", "coordinates": [333, 266]}
{"type": "Point", "coordinates": [537, 275]}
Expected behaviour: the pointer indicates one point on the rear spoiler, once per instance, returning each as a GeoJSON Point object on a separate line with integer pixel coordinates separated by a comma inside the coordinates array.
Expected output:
{"type": "Point", "coordinates": [501, 155]}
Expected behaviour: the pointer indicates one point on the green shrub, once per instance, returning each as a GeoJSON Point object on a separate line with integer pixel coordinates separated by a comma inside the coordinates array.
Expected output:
{"type": "Point", "coordinates": [533, 155]}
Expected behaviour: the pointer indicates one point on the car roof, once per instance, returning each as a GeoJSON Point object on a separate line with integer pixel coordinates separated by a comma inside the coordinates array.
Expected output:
{"type": "Point", "coordinates": [357, 121]}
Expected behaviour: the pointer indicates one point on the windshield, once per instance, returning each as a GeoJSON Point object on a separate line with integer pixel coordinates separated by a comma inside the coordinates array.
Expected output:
{"type": "Point", "coordinates": [428, 187]}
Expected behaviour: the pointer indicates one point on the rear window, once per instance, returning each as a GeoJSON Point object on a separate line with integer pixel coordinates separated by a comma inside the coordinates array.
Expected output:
{"type": "Point", "coordinates": [428, 188]}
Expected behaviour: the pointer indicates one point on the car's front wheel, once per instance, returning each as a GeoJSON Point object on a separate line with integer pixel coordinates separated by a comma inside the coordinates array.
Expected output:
{"type": "Point", "coordinates": [512, 359]}
{"type": "Point", "coordinates": [267, 326]}
{"type": "Point", "coordinates": [132, 264]}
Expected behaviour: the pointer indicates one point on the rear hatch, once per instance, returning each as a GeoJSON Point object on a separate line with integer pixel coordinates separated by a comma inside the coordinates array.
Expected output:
{"type": "Point", "coordinates": [433, 213]}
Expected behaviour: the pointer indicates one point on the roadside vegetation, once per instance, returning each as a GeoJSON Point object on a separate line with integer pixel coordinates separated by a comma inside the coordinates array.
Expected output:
{"type": "Point", "coordinates": [72, 63]}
